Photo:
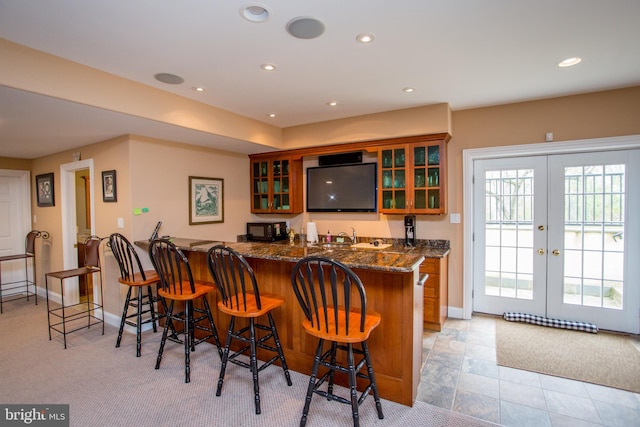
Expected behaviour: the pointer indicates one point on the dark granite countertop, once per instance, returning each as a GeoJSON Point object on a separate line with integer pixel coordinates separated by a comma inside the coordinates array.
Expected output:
{"type": "Point", "coordinates": [395, 258]}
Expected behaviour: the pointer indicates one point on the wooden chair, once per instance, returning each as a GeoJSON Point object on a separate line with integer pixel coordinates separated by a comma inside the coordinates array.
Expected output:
{"type": "Point", "coordinates": [135, 277]}
{"type": "Point", "coordinates": [177, 285]}
{"type": "Point", "coordinates": [19, 289]}
{"type": "Point", "coordinates": [334, 303]}
{"type": "Point", "coordinates": [240, 297]}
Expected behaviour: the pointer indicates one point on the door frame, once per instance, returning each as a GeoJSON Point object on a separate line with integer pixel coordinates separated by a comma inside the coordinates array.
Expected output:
{"type": "Point", "coordinates": [548, 148]}
{"type": "Point", "coordinates": [69, 223]}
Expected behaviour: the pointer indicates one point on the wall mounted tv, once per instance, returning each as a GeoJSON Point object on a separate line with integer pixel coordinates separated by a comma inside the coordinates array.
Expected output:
{"type": "Point", "coordinates": [342, 188]}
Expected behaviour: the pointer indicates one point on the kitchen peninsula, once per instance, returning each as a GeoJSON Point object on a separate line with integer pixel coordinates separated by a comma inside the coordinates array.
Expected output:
{"type": "Point", "coordinates": [393, 286]}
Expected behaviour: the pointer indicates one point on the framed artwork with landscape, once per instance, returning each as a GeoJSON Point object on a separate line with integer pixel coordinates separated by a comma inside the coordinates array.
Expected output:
{"type": "Point", "coordinates": [109, 191]}
{"type": "Point", "coordinates": [44, 190]}
{"type": "Point", "coordinates": [206, 200]}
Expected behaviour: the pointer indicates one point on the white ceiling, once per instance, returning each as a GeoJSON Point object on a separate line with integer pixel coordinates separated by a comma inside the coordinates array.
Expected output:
{"type": "Point", "coordinates": [468, 53]}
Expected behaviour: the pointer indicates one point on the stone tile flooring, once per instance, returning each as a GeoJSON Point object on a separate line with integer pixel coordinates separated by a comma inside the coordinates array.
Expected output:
{"type": "Point", "coordinates": [460, 374]}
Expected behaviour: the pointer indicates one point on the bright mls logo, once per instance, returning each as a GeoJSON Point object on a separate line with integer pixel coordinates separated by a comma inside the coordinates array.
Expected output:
{"type": "Point", "coordinates": [37, 415]}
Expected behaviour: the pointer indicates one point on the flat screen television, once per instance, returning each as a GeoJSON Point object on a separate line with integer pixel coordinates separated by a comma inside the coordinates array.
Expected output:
{"type": "Point", "coordinates": [342, 188]}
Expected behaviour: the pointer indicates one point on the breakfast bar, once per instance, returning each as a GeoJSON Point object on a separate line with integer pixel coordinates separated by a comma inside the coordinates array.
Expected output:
{"type": "Point", "coordinates": [393, 287]}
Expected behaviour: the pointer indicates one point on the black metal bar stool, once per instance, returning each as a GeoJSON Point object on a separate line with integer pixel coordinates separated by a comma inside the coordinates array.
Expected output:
{"type": "Point", "coordinates": [334, 303]}
{"type": "Point", "coordinates": [178, 285]}
{"type": "Point", "coordinates": [19, 289]}
{"type": "Point", "coordinates": [135, 277]}
{"type": "Point", "coordinates": [240, 297]}
{"type": "Point", "coordinates": [68, 318]}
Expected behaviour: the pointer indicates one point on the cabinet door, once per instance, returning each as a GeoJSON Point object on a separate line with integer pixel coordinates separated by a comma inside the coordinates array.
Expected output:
{"type": "Point", "coordinates": [260, 200]}
{"type": "Point", "coordinates": [393, 191]}
{"type": "Point", "coordinates": [427, 183]}
{"type": "Point", "coordinates": [280, 185]}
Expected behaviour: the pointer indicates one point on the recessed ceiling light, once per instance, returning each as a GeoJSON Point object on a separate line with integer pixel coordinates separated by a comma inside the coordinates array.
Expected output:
{"type": "Point", "coordinates": [255, 13]}
{"type": "Point", "coordinates": [408, 89]}
{"type": "Point", "coordinates": [365, 38]}
{"type": "Point", "coordinates": [305, 28]}
{"type": "Point", "coordinates": [268, 67]}
{"type": "Point", "coordinates": [272, 115]}
{"type": "Point", "coordinates": [332, 103]}
{"type": "Point", "coordinates": [168, 78]}
{"type": "Point", "coordinates": [569, 62]}
{"type": "Point", "coordinates": [198, 89]}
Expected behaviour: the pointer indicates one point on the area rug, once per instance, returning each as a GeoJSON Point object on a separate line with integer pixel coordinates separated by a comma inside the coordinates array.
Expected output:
{"type": "Point", "coordinates": [605, 358]}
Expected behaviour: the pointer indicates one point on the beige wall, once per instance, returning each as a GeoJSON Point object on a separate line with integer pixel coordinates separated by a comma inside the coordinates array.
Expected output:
{"type": "Point", "coordinates": [154, 174]}
{"type": "Point", "coordinates": [16, 164]}
{"type": "Point", "coordinates": [594, 115]}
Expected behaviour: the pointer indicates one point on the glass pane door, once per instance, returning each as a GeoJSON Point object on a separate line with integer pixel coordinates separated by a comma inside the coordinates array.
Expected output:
{"type": "Point", "coordinates": [510, 236]}
{"type": "Point", "coordinates": [588, 259]}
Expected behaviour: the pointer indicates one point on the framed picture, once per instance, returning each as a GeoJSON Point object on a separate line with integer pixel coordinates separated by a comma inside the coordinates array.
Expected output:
{"type": "Point", "coordinates": [109, 190]}
{"type": "Point", "coordinates": [206, 200]}
{"type": "Point", "coordinates": [45, 190]}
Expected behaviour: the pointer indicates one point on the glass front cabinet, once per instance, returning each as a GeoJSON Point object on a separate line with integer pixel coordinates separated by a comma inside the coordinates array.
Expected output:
{"type": "Point", "coordinates": [276, 185]}
{"type": "Point", "coordinates": [412, 178]}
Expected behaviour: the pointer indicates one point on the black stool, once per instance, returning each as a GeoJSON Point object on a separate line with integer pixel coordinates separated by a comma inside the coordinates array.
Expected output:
{"type": "Point", "coordinates": [177, 284]}
{"type": "Point", "coordinates": [327, 291]}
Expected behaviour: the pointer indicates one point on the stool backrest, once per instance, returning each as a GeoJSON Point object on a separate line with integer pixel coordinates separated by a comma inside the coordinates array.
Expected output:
{"type": "Point", "coordinates": [323, 287]}
{"type": "Point", "coordinates": [92, 252]}
{"type": "Point", "coordinates": [30, 241]}
{"type": "Point", "coordinates": [172, 267]}
{"type": "Point", "coordinates": [126, 256]}
{"type": "Point", "coordinates": [233, 277]}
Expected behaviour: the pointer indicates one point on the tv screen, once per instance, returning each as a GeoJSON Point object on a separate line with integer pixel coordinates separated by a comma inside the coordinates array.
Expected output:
{"type": "Point", "coordinates": [343, 188]}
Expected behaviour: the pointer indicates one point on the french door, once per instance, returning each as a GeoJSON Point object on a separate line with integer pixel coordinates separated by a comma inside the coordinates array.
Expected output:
{"type": "Point", "coordinates": [552, 237]}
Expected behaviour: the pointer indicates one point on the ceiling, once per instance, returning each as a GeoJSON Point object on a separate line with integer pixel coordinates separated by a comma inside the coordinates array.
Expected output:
{"type": "Point", "coordinates": [468, 53]}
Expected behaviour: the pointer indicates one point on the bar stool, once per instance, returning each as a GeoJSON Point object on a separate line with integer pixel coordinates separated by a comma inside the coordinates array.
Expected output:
{"type": "Point", "coordinates": [240, 297]}
{"type": "Point", "coordinates": [19, 289]}
{"type": "Point", "coordinates": [177, 284]}
{"type": "Point", "coordinates": [135, 277]}
{"type": "Point", "coordinates": [69, 318]}
{"type": "Point", "coordinates": [334, 303]}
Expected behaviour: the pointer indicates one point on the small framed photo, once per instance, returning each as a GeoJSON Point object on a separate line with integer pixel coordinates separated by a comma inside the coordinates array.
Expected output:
{"type": "Point", "coordinates": [206, 200]}
{"type": "Point", "coordinates": [109, 190]}
{"type": "Point", "coordinates": [45, 190]}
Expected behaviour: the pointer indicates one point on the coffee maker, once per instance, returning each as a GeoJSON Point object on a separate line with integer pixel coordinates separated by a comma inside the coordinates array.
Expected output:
{"type": "Point", "coordinates": [410, 230]}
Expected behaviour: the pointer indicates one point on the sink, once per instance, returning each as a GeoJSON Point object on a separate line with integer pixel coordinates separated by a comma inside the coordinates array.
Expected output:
{"type": "Point", "coordinates": [368, 245]}
{"type": "Point", "coordinates": [334, 245]}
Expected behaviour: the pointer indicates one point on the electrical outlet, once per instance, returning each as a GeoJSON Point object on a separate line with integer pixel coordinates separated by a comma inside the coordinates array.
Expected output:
{"type": "Point", "coordinates": [454, 218]}
{"type": "Point", "coordinates": [120, 222]}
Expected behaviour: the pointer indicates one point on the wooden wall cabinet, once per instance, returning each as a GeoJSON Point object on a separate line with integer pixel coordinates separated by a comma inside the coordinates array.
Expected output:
{"type": "Point", "coordinates": [276, 185]}
{"type": "Point", "coordinates": [412, 178]}
{"type": "Point", "coordinates": [436, 298]}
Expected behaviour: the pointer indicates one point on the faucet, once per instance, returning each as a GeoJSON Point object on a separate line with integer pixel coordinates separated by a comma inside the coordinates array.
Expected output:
{"type": "Point", "coordinates": [352, 237]}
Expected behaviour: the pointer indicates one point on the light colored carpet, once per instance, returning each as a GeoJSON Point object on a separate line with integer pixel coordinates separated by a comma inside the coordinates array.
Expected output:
{"type": "Point", "coordinates": [108, 386]}
{"type": "Point", "coordinates": [604, 358]}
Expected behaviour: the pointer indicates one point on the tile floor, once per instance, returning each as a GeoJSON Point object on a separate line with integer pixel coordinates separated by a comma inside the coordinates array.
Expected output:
{"type": "Point", "coordinates": [460, 374]}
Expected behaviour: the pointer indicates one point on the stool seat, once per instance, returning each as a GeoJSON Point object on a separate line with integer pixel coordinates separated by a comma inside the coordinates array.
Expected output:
{"type": "Point", "coordinates": [339, 332]}
{"type": "Point", "coordinates": [252, 309]}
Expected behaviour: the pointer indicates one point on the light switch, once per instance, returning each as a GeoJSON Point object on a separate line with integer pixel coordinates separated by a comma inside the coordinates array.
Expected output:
{"type": "Point", "coordinates": [120, 222]}
{"type": "Point", "coordinates": [454, 218]}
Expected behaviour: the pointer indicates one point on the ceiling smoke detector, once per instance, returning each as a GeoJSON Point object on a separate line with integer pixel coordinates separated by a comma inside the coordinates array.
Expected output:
{"type": "Point", "coordinates": [305, 28]}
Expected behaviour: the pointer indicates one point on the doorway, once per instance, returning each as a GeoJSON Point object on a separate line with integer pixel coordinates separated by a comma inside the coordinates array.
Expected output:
{"type": "Point", "coordinates": [551, 237]}
{"type": "Point", "coordinates": [69, 210]}
{"type": "Point", "coordinates": [15, 219]}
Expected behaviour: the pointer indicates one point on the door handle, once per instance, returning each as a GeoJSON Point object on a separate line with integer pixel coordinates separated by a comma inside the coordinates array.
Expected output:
{"type": "Point", "coordinates": [555, 252]}
{"type": "Point", "coordinates": [540, 251]}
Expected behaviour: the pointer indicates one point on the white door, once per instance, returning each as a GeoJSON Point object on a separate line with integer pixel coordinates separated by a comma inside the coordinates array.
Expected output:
{"type": "Point", "coordinates": [552, 237]}
{"type": "Point", "coordinates": [509, 230]}
{"type": "Point", "coordinates": [14, 220]}
{"type": "Point", "coordinates": [593, 259]}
